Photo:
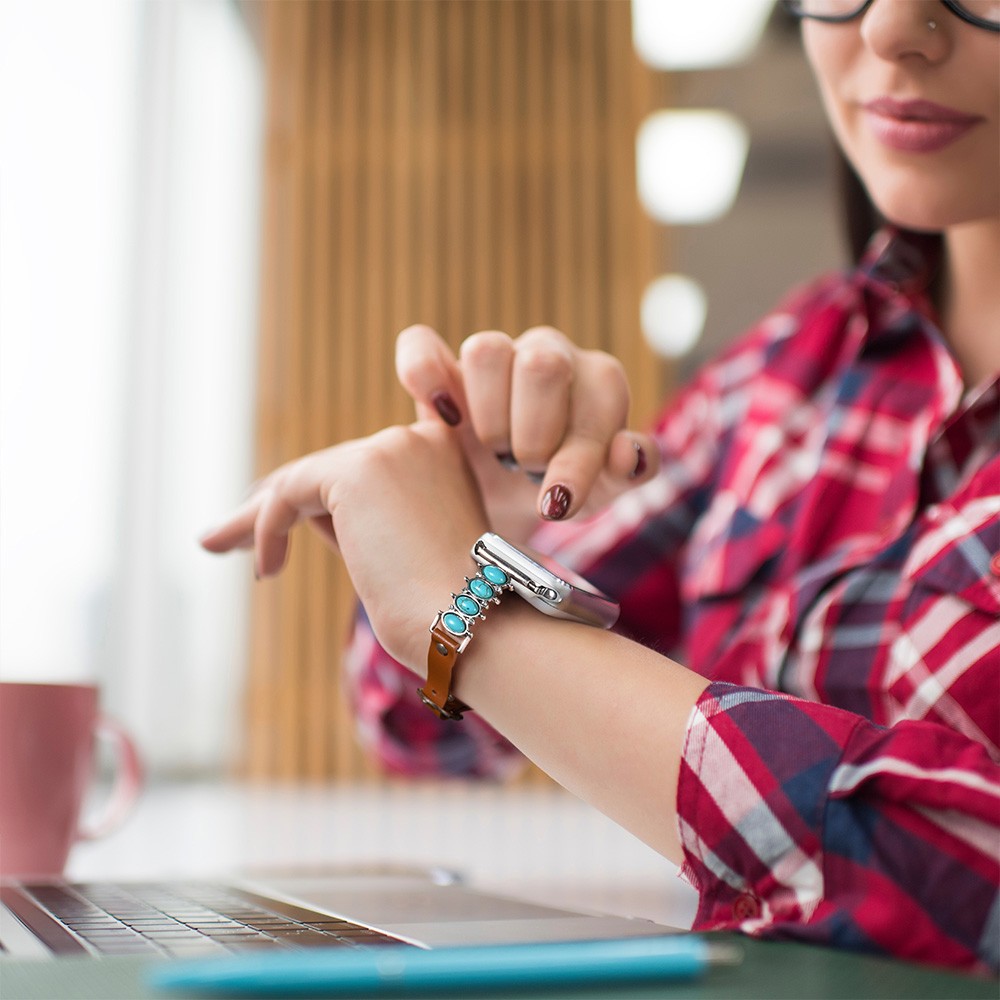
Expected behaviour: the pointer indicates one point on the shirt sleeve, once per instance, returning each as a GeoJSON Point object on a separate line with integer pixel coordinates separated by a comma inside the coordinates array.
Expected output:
{"type": "Point", "coordinates": [800, 820]}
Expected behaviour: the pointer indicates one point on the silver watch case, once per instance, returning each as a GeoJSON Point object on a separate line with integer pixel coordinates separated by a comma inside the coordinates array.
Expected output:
{"type": "Point", "coordinates": [552, 589]}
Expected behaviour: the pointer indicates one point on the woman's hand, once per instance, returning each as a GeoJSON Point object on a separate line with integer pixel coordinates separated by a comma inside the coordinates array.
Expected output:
{"type": "Point", "coordinates": [544, 423]}
{"type": "Point", "coordinates": [401, 507]}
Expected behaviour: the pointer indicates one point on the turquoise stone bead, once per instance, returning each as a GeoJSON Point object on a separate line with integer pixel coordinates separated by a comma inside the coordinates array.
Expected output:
{"type": "Point", "coordinates": [481, 588]}
{"type": "Point", "coordinates": [455, 624]}
{"type": "Point", "coordinates": [467, 605]}
{"type": "Point", "coordinates": [495, 575]}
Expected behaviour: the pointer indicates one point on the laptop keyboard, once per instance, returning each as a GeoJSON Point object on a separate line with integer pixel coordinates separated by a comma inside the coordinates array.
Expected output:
{"type": "Point", "coordinates": [186, 921]}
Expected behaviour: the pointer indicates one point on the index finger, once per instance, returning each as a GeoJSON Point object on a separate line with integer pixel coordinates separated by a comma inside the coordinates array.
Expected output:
{"type": "Point", "coordinates": [428, 370]}
{"type": "Point", "coordinates": [598, 412]}
{"type": "Point", "coordinates": [236, 532]}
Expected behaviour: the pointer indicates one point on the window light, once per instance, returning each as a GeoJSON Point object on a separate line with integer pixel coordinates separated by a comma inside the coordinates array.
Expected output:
{"type": "Point", "coordinates": [672, 314]}
{"type": "Point", "coordinates": [689, 164]}
{"type": "Point", "coordinates": [693, 34]}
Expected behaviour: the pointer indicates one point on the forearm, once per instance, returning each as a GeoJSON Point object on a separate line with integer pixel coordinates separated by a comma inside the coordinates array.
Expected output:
{"type": "Point", "coordinates": [604, 716]}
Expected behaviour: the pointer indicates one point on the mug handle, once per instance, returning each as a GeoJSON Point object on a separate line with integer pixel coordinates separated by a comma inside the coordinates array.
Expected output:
{"type": "Point", "coordinates": [127, 784]}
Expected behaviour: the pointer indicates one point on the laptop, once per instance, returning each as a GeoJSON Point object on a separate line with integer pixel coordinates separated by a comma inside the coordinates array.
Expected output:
{"type": "Point", "coordinates": [341, 908]}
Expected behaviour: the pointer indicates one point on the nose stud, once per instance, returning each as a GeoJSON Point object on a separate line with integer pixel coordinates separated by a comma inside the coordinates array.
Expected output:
{"type": "Point", "coordinates": [932, 25]}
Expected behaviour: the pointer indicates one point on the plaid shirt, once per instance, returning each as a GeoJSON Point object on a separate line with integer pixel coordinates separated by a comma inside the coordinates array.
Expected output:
{"type": "Point", "coordinates": [823, 542]}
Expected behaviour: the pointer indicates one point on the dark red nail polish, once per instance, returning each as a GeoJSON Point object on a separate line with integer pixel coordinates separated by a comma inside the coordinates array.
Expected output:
{"type": "Point", "coordinates": [640, 462]}
{"type": "Point", "coordinates": [556, 502]}
{"type": "Point", "coordinates": [446, 408]}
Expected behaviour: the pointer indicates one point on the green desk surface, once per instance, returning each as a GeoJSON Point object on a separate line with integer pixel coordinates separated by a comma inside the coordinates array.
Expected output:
{"type": "Point", "coordinates": [770, 971]}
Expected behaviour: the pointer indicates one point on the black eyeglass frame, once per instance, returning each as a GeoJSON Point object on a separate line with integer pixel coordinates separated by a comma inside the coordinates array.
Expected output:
{"type": "Point", "coordinates": [792, 6]}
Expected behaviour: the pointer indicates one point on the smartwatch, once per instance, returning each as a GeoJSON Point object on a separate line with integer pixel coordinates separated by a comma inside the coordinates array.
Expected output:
{"type": "Point", "coordinates": [546, 586]}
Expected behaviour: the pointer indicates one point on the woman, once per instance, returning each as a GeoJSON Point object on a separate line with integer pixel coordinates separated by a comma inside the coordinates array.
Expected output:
{"type": "Point", "coordinates": [809, 529]}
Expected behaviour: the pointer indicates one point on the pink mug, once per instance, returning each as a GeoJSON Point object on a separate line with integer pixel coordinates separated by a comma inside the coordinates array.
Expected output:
{"type": "Point", "coordinates": [47, 734]}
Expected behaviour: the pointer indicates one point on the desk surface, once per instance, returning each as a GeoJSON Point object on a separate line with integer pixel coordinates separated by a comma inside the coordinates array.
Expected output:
{"type": "Point", "coordinates": [771, 970]}
{"type": "Point", "coordinates": [537, 842]}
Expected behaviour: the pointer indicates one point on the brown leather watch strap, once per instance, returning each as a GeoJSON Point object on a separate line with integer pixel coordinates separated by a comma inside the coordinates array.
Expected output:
{"type": "Point", "coordinates": [442, 657]}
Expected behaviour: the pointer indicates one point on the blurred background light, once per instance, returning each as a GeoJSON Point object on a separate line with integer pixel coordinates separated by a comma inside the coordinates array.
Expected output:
{"type": "Point", "coordinates": [689, 164]}
{"type": "Point", "coordinates": [672, 314]}
{"type": "Point", "coordinates": [695, 34]}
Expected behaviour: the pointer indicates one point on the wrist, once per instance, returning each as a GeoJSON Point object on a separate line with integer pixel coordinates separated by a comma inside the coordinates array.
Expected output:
{"type": "Point", "coordinates": [400, 619]}
{"type": "Point", "coordinates": [452, 632]}
{"type": "Point", "coordinates": [502, 568]}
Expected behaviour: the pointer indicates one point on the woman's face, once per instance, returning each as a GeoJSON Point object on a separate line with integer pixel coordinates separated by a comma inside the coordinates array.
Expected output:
{"type": "Point", "coordinates": [915, 108]}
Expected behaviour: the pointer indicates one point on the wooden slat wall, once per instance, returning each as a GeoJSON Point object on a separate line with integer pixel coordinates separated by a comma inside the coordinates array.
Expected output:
{"type": "Point", "coordinates": [464, 163]}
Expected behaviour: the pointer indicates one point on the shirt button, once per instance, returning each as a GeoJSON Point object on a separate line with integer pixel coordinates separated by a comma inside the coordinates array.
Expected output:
{"type": "Point", "coordinates": [995, 564]}
{"type": "Point", "coordinates": [746, 907]}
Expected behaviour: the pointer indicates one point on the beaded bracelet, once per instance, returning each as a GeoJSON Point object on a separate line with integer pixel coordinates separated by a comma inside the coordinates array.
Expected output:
{"type": "Point", "coordinates": [451, 633]}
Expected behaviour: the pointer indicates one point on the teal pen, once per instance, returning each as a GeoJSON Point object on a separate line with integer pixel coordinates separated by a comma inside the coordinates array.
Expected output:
{"type": "Point", "coordinates": [405, 970]}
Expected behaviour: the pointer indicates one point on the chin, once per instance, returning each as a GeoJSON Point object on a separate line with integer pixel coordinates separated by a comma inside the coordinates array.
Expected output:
{"type": "Point", "coordinates": [917, 223]}
{"type": "Point", "coordinates": [925, 211]}
{"type": "Point", "coordinates": [929, 201]}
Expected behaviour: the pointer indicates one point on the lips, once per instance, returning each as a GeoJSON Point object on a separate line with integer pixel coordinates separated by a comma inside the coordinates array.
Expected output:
{"type": "Point", "coordinates": [915, 126]}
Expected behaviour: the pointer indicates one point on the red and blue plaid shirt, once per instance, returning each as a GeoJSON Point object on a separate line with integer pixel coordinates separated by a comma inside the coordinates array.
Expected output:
{"type": "Point", "coordinates": [823, 542]}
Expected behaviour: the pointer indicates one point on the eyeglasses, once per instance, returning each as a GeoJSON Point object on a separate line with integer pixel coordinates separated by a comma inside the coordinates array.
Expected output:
{"type": "Point", "coordinates": [981, 13]}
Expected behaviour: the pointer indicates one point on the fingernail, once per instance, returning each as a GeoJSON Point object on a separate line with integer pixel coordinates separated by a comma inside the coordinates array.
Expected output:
{"type": "Point", "coordinates": [640, 462]}
{"type": "Point", "coordinates": [507, 460]}
{"type": "Point", "coordinates": [536, 477]}
{"type": "Point", "coordinates": [556, 502]}
{"type": "Point", "coordinates": [446, 408]}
